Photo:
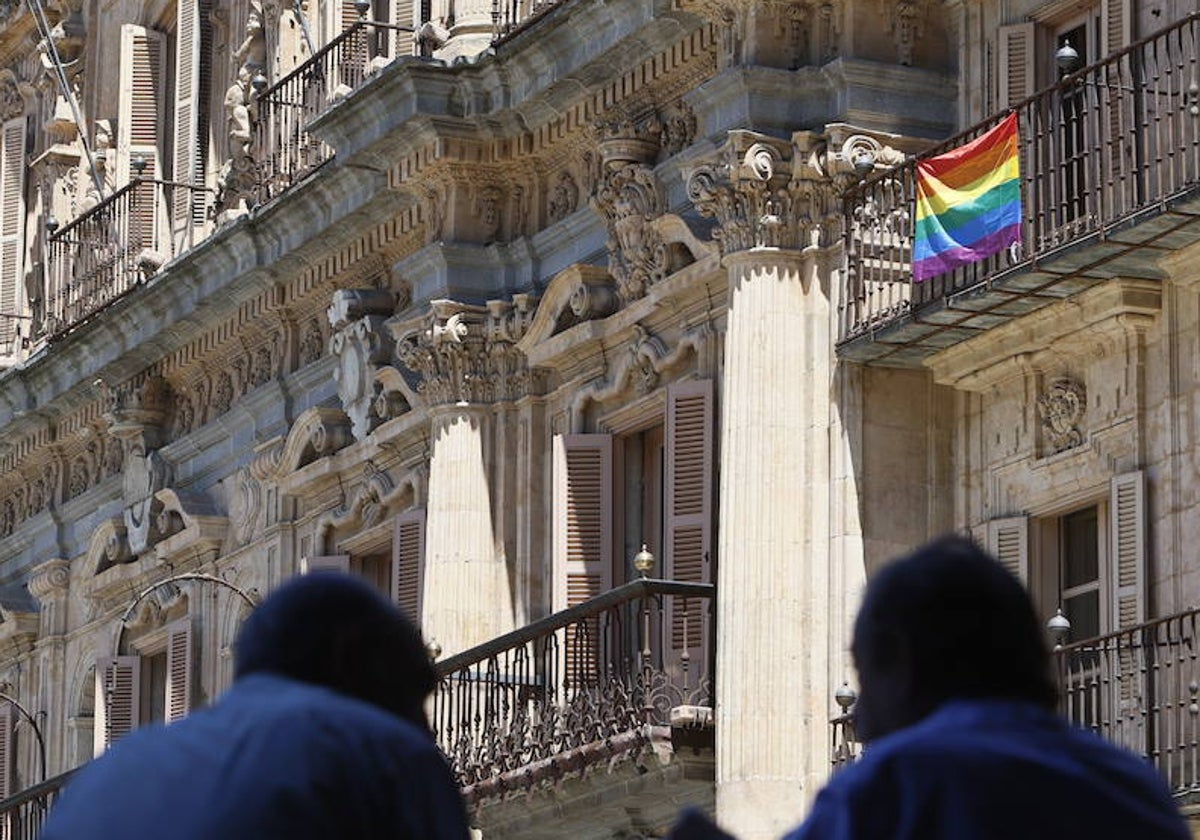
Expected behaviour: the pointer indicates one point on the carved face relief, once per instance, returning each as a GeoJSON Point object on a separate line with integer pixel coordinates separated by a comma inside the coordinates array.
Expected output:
{"type": "Point", "coordinates": [1061, 409]}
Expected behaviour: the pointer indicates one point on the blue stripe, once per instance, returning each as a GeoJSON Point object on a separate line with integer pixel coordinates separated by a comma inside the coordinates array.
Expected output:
{"type": "Point", "coordinates": [933, 239]}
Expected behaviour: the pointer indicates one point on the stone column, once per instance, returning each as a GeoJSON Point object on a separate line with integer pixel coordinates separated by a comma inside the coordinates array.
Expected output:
{"type": "Point", "coordinates": [49, 583]}
{"type": "Point", "coordinates": [773, 575]}
{"type": "Point", "coordinates": [468, 368]}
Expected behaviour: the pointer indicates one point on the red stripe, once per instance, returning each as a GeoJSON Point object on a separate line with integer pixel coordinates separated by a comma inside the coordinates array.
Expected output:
{"type": "Point", "coordinates": [967, 163]}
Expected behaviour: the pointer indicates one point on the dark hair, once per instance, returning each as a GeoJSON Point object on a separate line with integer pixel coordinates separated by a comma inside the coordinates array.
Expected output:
{"type": "Point", "coordinates": [965, 624]}
{"type": "Point", "coordinates": [336, 631]}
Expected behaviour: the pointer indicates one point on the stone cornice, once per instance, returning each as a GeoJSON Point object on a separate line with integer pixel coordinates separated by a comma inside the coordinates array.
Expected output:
{"type": "Point", "coordinates": [1088, 324]}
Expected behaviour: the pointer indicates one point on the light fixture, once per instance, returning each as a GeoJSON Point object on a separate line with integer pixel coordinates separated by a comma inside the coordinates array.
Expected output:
{"type": "Point", "coordinates": [643, 561]}
{"type": "Point", "coordinates": [51, 224]}
{"type": "Point", "coordinates": [1059, 628]}
{"type": "Point", "coordinates": [845, 697]}
{"type": "Point", "coordinates": [363, 7]}
{"type": "Point", "coordinates": [138, 164]}
{"type": "Point", "coordinates": [863, 163]}
{"type": "Point", "coordinates": [259, 83]}
{"type": "Point", "coordinates": [433, 650]}
{"type": "Point", "coordinates": [1067, 58]}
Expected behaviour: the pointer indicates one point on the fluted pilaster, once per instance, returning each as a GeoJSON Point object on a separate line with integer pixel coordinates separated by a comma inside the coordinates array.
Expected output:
{"type": "Point", "coordinates": [772, 668]}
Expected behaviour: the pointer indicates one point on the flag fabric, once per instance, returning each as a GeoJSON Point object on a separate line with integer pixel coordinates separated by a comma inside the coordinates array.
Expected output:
{"type": "Point", "coordinates": [968, 202]}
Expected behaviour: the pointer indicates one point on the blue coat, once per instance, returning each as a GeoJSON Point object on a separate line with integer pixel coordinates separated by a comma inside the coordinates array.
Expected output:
{"type": "Point", "coordinates": [994, 770]}
{"type": "Point", "coordinates": [272, 758]}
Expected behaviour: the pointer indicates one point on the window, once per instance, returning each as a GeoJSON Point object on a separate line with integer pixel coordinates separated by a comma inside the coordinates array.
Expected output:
{"type": "Point", "coordinates": [641, 488]}
{"type": "Point", "coordinates": [1088, 561]}
{"type": "Point", "coordinates": [393, 564]}
{"type": "Point", "coordinates": [151, 686]}
{"type": "Point", "coordinates": [12, 231]}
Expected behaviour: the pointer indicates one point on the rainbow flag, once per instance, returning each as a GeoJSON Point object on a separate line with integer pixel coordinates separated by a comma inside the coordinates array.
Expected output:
{"type": "Point", "coordinates": [968, 202]}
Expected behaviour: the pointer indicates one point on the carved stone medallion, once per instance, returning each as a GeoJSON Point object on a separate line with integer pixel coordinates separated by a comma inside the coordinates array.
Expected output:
{"type": "Point", "coordinates": [1061, 410]}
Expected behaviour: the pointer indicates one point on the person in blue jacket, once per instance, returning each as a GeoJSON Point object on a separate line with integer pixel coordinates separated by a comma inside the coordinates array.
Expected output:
{"type": "Point", "coordinates": [323, 734]}
{"type": "Point", "coordinates": [957, 707]}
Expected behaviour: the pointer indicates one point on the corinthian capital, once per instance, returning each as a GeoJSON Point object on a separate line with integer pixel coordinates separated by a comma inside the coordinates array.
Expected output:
{"type": "Point", "coordinates": [765, 193]}
{"type": "Point", "coordinates": [460, 352]}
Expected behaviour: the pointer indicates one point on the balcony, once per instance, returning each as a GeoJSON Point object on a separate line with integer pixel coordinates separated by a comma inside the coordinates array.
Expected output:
{"type": "Point", "coordinates": [583, 689]}
{"type": "Point", "coordinates": [1139, 688]}
{"type": "Point", "coordinates": [1110, 165]}
{"type": "Point", "coordinates": [115, 246]}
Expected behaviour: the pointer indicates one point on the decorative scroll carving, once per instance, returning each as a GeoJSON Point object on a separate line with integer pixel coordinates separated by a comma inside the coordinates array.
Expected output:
{"type": "Point", "coordinates": [1061, 410]}
{"type": "Point", "coordinates": [767, 194]}
{"type": "Point", "coordinates": [466, 353]}
{"type": "Point", "coordinates": [362, 344]}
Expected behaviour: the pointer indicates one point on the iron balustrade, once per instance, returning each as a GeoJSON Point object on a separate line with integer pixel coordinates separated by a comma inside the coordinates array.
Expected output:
{"type": "Point", "coordinates": [1140, 688]}
{"type": "Point", "coordinates": [22, 815]}
{"type": "Point", "coordinates": [1115, 139]}
{"type": "Point", "coordinates": [577, 687]}
{"type": "Point", "coordinates": [283, 149]}
{"type": "Point", "coordinates": [511, 16]}
{"type": "Point", "coordinates": [111, 248]}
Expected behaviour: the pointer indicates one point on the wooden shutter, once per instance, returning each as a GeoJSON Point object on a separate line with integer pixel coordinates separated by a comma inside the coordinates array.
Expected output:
{"type": "Point", "coordinates": [139, 125]}
{"type": "Point", "coordinates": [12, 227]}
{"type": "Point", "coordinates": [325, 563]}
{"type": "Point", "coordinates": [408, 562]}
{"type": "Point", "coordinates": [7, 750]}
{"type": "Point", "coordinates": [582, 541]}
{"type": "Point", "coordinates": [1008, 542]}
{"type": "Point", "coordinates": [1116, 25]}
{"type": "Point", "coordinates": [185, 134]}
{"type": "Point", "coordinates": [179, 669]}
{"type": "Point", "coordinates": [1016, 78]}
{"type": "Point", "coordinates": [689, 483]}
{"type": "Point", "coordinates": [1127, 550]}
{"type": "Point", "coordinates": [118, 698]}
{"type": "Point", "coordinates": [583, 518]}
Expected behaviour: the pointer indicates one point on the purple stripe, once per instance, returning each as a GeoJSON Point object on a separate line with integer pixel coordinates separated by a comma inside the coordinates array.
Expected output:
{"type": "Point", "coordinates": [951, 259]}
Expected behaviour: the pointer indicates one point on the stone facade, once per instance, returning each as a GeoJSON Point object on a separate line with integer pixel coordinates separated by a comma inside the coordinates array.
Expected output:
{"type": "Point", "coordinates": [611, 242]}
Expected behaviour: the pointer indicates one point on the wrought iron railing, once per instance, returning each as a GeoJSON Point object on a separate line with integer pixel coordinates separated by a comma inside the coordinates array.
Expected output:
{"type": "Point", "coordinates": [844, 746]}
{"type": "Point", "coordinates": [22, 815]}
{"type": "Point", "coordinates": [577, 687]}
{"type": "Point", "coordinates": [114, 246]}
{"type": "Point", "coordinates": [1113, 140]}
{"type": "Point", "coordinates": [511, 16]}
{"type": "Point", "coordinates": [283, 149]}
{"type": "Point", "coordinates": [1140, 688]}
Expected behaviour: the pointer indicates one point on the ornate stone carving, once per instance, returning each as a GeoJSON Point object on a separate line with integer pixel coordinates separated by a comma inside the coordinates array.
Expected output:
{"type": "Point", "coordinates": [145, 474]}
{"type": "Point", "coordinates": [767, 194]}
{"type": "Point", "coordinates": [907, 21]}
{"type": "Point", "coordinates": [646, 353]}
{"type": "Point", "coordinates": [262, 367]}
{"type": "Point", "coordinates": [50, 579]}
{"type": "Point", "coordinates": [222, 397]}
{"type": "Point", "coordinates": [678, 128]}
{"type": "Point", "coordinates": [12, 104]}
{"type": "Point", "coordinates": [362, 345]}
{"type": "Point", "coordinates": [312, 344]}
{"type": "Point", "coordinates": [466, 353]}
{"type": "Point", "coordinates": [1061, 410]}
{"type": "Point", "coordinates": [489, 207]}
{"type": "Point", "coordinates": [563, 198]}
{"type": "Point", "coordinates": [628, 199]}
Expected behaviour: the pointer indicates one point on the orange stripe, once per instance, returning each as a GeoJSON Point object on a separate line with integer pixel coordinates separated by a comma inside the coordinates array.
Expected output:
{"type": "Point", "coordinates": [969, 162]}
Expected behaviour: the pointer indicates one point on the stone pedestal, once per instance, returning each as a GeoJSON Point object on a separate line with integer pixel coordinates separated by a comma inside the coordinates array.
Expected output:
{"type": "Point", "coordinates": [466, 592]}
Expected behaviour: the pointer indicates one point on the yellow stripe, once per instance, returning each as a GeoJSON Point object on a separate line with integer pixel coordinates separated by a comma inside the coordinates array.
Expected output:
{"type": "Point", "coordinates": [934, 197]}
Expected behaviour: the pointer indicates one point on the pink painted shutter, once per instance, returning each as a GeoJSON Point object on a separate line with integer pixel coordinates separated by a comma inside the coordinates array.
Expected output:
{"type": "Point", "coordinates": [325, 563]}
{"type": "Point", "coordinates": [408, 562]}
{"type": "Point", "coordinates": [12, 228]}
{"type": "Point", "coordinates": [689, 492]}
{"type": "Point", "coordinates": [118, 698]}
{"type": "Point", "coordinates": [186, 141]}
{"type": "Point", "coordinates": [180, 667]}
{"type": "Point", "coordinates": [1008, 542]}
{"type": "Point", "coordinates": [7, 751]}
{"type": "Point", "coordinates": [582, 536]}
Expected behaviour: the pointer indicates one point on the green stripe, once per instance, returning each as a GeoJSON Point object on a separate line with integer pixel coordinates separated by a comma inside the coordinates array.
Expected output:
{"type": "Point", "coordinates": [956, 217]}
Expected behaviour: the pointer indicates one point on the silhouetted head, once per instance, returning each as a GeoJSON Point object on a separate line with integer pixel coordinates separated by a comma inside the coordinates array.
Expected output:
{"type": "Point", "coordinates": [336, 631]}
{"type": "Point", "coordinates": [946, 622]}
